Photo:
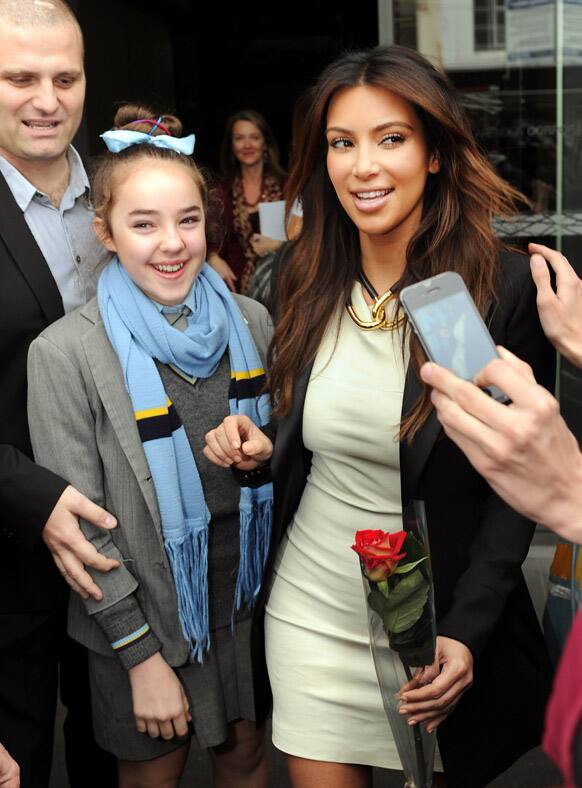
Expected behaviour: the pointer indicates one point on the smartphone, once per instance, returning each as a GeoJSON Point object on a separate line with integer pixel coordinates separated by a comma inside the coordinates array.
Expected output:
{"type": "Point", "coordinates": [449, 326]}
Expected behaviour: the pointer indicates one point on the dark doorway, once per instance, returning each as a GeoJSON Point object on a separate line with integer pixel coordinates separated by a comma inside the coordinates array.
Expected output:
{"type": "Point", "coordinates": [206, 60]}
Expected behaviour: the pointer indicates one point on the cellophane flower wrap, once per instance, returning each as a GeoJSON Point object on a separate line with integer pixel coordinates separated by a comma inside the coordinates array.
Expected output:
{"type": "Point", "coordinates": [397, 577]}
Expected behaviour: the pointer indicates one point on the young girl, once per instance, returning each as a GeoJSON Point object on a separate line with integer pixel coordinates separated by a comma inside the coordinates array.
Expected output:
{"type": "Point", "coordinates": [122, 392]}
{"type": "Point", "coordinates": [394, 190]}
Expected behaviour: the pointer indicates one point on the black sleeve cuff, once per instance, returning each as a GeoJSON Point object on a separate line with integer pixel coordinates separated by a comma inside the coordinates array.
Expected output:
{"type": "Point", "coordinates": [254, 478]}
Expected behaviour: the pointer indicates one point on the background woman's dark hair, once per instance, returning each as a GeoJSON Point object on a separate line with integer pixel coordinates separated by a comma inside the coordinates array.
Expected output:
{"type": "Point", "coordinates": [455, 232]}
{"type": "Point", "coordinates": [229, 164]}
{"type": "Point", "coordinates": [109, 167]}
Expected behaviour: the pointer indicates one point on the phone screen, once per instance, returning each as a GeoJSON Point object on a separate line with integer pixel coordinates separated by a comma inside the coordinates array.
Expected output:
{"type": "Point", "coordinates": [453, 334]}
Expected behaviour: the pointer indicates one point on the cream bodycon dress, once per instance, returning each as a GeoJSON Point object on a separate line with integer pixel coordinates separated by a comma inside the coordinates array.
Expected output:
{"type": "Point", "coordinates": [327, 704]}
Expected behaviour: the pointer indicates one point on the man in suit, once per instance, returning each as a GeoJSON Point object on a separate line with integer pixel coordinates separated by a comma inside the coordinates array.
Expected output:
{"type": "Point", "coordinates": [47, 258]}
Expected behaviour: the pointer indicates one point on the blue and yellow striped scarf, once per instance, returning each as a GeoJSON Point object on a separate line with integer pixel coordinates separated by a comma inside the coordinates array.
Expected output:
{"type": "Point", "coordinates": [139, 334]}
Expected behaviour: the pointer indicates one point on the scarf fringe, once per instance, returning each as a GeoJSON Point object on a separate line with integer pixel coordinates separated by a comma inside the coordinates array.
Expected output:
{"type": "Point", "coordinates": [188, 558]}
{"type": "Point", "coordinates": [255, 531]}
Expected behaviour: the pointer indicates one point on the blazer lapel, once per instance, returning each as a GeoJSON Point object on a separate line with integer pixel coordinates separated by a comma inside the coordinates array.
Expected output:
{"type": "Point", "coordinates": [413, 457]}
{"type": "Point", "coordinates": [109, 382]}
{"type": "Point", "coordinates": [292, 424]}
{"type": "Point", "coordinates": [27, 255]}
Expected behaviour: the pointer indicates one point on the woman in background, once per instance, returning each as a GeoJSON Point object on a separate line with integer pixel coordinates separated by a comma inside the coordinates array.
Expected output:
{"type": "Point", "coordinates": [249, 161]}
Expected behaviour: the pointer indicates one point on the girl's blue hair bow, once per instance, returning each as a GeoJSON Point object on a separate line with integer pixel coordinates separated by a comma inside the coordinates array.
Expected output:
{"type": "Point", "coordinates": [120, 139]}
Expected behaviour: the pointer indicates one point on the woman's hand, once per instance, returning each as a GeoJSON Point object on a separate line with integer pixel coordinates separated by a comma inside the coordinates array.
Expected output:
{"type": "Point", "coordinates": [560, 312]}
{"type": "Point", "coordinates": [262, 244]}
{"type": "Point", "coordinates": [239, 442]}
{"type": "Point", "coordinates": [160, 705]}
{"type": "Point", "coordinates": [434, 692]}
{"type": "Point", "coordinates": [223, 270]}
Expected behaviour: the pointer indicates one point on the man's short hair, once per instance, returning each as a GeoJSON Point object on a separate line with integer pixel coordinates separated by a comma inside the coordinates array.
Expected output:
{"type": "Point", "coordinates": [36, 13]}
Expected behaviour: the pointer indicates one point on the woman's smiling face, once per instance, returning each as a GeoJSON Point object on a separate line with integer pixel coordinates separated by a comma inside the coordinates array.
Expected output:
{"type": "Point", "coordinates": [377, 160]}
{"type": "Point", "coordinates": [248, 143]}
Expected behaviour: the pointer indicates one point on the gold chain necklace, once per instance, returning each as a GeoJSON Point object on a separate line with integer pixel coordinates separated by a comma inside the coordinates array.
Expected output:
{"type": "Point", "coordinates": [379, 318]}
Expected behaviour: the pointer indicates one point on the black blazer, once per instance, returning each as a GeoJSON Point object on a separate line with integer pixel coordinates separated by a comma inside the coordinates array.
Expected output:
{"type": "Point", "coordinates": [478, 544]}
{"type": "Point", "coordinates": [29, 302]}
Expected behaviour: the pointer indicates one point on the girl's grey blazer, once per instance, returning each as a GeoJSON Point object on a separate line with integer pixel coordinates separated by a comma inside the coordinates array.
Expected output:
{"type": "Point", "coordinates": [83, 428]}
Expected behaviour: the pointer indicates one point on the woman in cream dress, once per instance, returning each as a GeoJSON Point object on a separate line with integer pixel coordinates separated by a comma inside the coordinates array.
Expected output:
{"type": "Point", "coordinates": [318, 653]}
{"type": "Point", "coordinates": [393, 188]}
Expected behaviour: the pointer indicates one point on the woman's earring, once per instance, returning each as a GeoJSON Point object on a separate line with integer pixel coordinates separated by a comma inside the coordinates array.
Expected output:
{"type": "Point", "coordinates": [435, 163]}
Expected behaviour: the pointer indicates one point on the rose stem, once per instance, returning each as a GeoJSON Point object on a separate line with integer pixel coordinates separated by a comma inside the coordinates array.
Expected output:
{"type": "Point", "coordinates": [417, 737]}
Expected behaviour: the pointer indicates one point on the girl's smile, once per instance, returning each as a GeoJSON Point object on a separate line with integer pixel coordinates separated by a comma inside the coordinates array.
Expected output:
{"type": "Point", "coordinates": [170, 270]}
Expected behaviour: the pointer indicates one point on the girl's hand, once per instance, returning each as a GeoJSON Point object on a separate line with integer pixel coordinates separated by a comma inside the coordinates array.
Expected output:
{"type": "Point", "coordinates": [223, 270]}
{"type": "Point", "coordinates": [434, 692]}
{"type": "Point", "coordinates": [160, 705]}
{"type": "Point", "coordinates": [262, 244]}
{"type": "Point", "coordinates": [560, 312]}
{"type": "Point", "coordinates": [239, 442]}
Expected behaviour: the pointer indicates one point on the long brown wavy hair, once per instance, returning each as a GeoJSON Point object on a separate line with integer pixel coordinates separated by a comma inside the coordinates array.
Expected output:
{"type": "Point", "coordinates": [455, 232]}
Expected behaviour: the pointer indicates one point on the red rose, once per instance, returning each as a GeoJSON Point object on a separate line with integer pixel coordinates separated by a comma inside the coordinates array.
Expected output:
{"type": "Point", "coordinates": [380, 552]}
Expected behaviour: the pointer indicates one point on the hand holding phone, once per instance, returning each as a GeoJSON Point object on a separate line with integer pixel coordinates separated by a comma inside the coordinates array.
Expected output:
{"type": "Point", "coordinates": [449, 326]}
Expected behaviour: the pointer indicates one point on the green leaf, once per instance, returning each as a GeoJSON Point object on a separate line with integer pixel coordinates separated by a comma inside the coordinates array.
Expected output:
{"type": "Point", "coordinates": [405, 603]}
{"type": "Point", "coordinates": [402, 569]}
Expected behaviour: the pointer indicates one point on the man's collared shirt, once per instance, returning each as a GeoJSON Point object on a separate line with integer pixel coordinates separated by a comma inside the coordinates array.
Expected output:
{"type": "Point", "coordinates": [65, 234]}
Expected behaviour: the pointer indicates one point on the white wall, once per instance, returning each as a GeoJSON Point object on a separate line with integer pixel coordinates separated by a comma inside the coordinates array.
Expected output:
{"type": "Point", "coordinates": [445, 35]}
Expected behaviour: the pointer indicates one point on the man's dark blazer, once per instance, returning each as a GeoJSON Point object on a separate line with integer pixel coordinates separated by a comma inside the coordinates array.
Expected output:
{"type": "Point", "coordinates": [29, 302]}
{"type": "Point", "coordinates": [477, 544]}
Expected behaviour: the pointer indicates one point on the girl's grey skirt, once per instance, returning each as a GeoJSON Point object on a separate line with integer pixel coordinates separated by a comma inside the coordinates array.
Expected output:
{"type": "Point", "coordinates": [220, 691]}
